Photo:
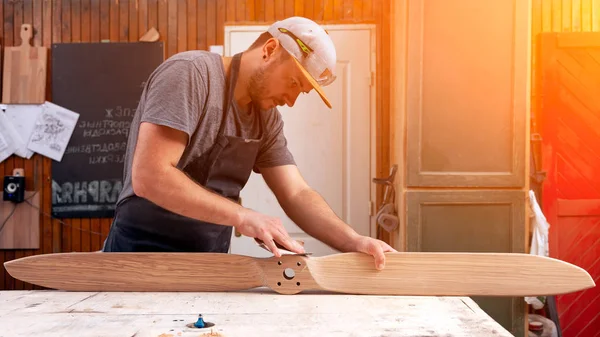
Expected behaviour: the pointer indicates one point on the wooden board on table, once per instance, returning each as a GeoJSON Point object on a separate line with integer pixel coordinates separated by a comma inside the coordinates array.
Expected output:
{"type": "Point", "coordinates": [24, 78]}
{"type": "Point", "coordinates": [408, 274]}
{"type": "Point", "coordinates": [22, 230]}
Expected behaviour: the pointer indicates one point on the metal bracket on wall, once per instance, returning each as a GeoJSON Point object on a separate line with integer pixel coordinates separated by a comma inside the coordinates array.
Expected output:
{"type": "Point", "coordinates": [537, 174]}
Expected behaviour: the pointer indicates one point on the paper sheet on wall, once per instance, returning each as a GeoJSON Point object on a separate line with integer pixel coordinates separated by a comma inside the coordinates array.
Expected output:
{"type": "Point", "coordinates": [52, 131]}
{"type": "Point", "coordinates": [22, 117]}
{"type": "Point", "coordinates": [7, 145]}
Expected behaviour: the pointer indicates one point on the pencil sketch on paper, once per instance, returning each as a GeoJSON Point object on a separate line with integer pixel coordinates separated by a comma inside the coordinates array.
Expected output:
{"type": "Point", "coordinates": [7, 144]}
{"type": "Point", "coordinates": [49, 130]}
{"type": "Point", "coordinates": [23, 117]}
{"type": "Point", "coordinates": [52, 131]}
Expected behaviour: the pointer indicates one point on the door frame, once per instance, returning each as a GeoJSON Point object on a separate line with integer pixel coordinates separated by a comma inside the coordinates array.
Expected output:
{"type": "Point", "coordinates": [398, 112]}
{"type": "Point", "coordinates": [374, 153]}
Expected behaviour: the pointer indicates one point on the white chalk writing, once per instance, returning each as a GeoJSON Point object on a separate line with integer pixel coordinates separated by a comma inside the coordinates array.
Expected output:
{"type": "Point", "coordinates": [119, 111]}
{"type": "Point", "coordinates": [98, 148]}
{"type": "Point", "coordinates": [104, 124]}
{"type": "Point", "coordinates": [107, 159]}
{"type": "Point", "coordinates": [78, 192]}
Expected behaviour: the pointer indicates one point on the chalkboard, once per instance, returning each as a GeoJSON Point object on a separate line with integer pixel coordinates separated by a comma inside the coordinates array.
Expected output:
{"type": "Point", "coordinates": [102, 82]}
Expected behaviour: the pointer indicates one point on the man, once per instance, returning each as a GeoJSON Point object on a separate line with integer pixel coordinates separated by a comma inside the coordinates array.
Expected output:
{"type": "Point", "coordinates": [204, 122]}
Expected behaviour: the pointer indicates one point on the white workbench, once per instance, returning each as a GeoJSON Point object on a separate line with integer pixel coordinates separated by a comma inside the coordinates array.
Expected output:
{"type": "Point", "coordinates": [254, 313]}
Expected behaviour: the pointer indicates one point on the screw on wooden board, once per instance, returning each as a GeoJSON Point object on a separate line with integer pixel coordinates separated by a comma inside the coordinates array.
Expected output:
{"type": "Point", "coordinates": [200, 323]}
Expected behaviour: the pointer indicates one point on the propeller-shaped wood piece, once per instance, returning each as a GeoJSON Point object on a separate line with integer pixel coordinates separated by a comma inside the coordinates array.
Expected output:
{"type": "Point", "coordinates": [405, 273]}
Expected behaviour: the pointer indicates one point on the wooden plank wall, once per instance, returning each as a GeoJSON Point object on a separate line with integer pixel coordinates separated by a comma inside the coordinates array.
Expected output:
{"type": "Point", "coordinates": [560, 16]}
{"type": "Point", "coordinates": [183, 25]}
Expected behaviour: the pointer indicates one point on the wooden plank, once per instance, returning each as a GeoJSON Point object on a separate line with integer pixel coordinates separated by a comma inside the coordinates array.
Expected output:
{"type": "Point", "coordinates": [94, 20]}
{"type": "Point", "coordinates": [172, 29]}
{"type": "Point", "coordinates": [582, 207]}
{"type": "Point", "coordinates": [405, 274]}
{"type": "Point", "coordinates": [22, 229]}
{"type": "Point", "coordinates": [96, 243]}
{"type": "Point", "coordinates": [153, 14]}
{"type": "Point", "coordinates": [86, 20]}
{"type": "Point", "coordinates": [123, 10]}
{"type": "Point", "coordinates": [566, 24]}
{"type": "Point", "coordinates": [75, 229]}
{"type": "Point", "coordinates": [132, 26]}
{"type": "Point", "coordinates": [24, 72]}
{"type": "Point", "coordinates": [595, 15]}
{"type": "Point", "coordinates": [105, 228]}
{"type": "Point", "coordinates": [575, 16]}
{"type": "Point", "coordinates": [259, 9]}
{"type": "Point", "coordinates": [142, 17]}
{"type": "Point", "coordinates": [17, 20]}
{"type": "Point", "coordinates": [230, 8]}
{"type": "Point", "coordinates": [576, 40]}
{"type": "Point", "coordinates": [255, 313]}
{"type": "Point", "coordinates": [210, 26]}
{"type": "Point", "coordinates": [113, 20]}
{"type": "Point", "coordinates": [368, 10]}
{"type": "Point", "coordinates": [338, 10]}
{"type": "Point", "coordinates": [586, 15]}
{"type": "Point", "coordinates": [193, 30]}
{"type": "Point", "coordinates": [202, 30]}
{"type": "Point", "coordinates": [328, 11]}
{"type": "Point", "coordinates": [250, 11]}
{"type": "Point", "coordinates": [309, 8]}
{"type": "Point", "coordinates": [556, 15]}
{"type": "Point", "coordinates": [76, 20]}
{"type": "Point", "coordinates": [279, 9]}
{"type": "Point", "coordinates": [288, 8]}
{"type": "Point", "coordinates": [28, 18]}
{"type": "Point", "coordinates": [269, 10]}
{"type": "Point", "coordinates": [163, 25]}
{"type": "Point", "coordinates": [240, 11]}
{"type": "Point", "coordinates": [104, 20]}
{"type": "Point", "coordinates": [349, 10]}
{"type": "Point", "coordinates": [181, 36]}
{"type": "Point", "coordinates": [66, 21]}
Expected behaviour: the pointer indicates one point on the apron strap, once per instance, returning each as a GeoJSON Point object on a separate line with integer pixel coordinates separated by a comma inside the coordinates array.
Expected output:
{"type": "Point", "coordinates": [230, 82]}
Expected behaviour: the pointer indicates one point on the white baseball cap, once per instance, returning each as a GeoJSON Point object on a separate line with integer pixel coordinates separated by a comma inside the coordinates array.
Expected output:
{"type": "Point", "coordinates": [311, 48]}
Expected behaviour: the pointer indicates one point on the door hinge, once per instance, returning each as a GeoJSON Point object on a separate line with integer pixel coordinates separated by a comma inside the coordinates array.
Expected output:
{"type": "Point", "coordinates": [372, 78]}
{"type": "Point", "coordinates": [370, 208]}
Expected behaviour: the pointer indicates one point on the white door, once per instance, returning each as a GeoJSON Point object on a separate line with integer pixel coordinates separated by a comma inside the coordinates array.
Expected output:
{"type": "Point", "coordinates": [332, 147]}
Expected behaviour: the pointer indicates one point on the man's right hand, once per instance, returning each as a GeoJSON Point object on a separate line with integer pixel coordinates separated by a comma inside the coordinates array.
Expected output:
{"type": "Point", "coordinates": [269, 230]}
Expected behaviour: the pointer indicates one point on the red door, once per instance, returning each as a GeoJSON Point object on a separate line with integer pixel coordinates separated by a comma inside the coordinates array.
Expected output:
{"type": "Point", "coordinates": [569, 112]}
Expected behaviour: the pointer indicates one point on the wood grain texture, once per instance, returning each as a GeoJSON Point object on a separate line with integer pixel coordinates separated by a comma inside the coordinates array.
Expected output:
{"type": "Point", "coordinates": [24, 73]}
{"type": "Point", "coordinates": [22, 229]}
{"type": "Point", "coordinates": [256, 313]}
{"type": "Point", "coordinates": [182, 25]}
{"type": "Point", "coordinates": [414, 274]}
{"type": "Point", "coordinates": [569, 69]}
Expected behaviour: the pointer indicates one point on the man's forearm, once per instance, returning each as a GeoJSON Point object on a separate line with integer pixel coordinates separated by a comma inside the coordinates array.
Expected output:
{"type": "Point", "coordinates": [176, 192]}
{"type": "Point", "coordinates": [313, 215]}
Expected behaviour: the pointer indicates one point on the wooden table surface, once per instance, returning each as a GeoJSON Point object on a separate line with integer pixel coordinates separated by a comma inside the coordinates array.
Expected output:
{"type": "Point", "coordinates": [259, 312]}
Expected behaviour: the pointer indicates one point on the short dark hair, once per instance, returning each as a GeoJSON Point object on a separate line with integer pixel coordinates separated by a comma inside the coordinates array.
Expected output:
{"type": "Point", "coordinates": [260, 40]}
{"type": "Point", "coordinates": [264, 37]}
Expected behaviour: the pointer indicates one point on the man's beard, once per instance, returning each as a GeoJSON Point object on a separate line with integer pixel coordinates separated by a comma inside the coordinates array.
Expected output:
{"type": "Point", "coordinates": [257, 85]}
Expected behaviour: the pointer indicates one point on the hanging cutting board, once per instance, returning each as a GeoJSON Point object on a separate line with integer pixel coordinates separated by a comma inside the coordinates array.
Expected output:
{"type": "Point", "coordinates": [24, 79]}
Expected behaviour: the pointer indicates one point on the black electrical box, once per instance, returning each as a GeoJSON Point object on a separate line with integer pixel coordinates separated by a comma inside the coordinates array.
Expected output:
{"type": "Point", "coordinates": [14, 189]}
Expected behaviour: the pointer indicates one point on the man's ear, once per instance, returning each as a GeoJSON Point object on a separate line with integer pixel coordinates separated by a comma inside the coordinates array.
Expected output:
{"type": "Point", "coordinates": [269, 49]}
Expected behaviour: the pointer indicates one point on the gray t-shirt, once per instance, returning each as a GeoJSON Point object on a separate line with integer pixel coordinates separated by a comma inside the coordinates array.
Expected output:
{"type": "Point", "coordinates": [186, 92]}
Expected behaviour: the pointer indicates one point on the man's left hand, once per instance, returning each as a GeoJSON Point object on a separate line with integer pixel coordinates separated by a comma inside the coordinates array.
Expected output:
{"type": "Point", "coordinates": [374, 247]}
